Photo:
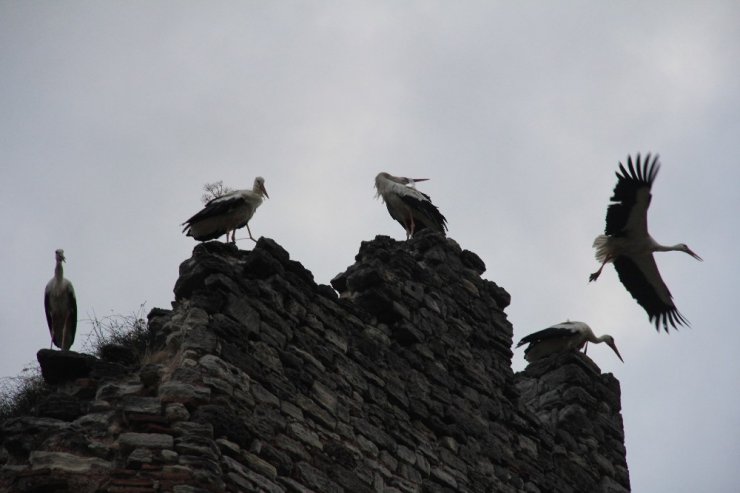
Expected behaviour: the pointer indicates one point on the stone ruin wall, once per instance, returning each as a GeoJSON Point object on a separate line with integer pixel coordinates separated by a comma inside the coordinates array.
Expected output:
{"type": "Point", "coordinates": [262, 380]}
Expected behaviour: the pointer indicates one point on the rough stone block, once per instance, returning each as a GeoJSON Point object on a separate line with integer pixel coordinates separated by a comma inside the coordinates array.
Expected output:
{"type": "Point", "coordinates": [64, 366]}
{"type": "Point", "coordinates": [183, 393]}
{"type": "Point", "coordinates": [65, 462]}
{"type": "Point", "coordinates": [305, 435]}
{"type": "Point", "coordinates": [147, 440]}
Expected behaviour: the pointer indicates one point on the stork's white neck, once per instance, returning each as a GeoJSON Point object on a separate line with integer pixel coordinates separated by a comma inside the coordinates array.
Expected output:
{"type": "Point", "coordinates": [667, 248]}
{"type": "Point", "coordinates": [381, 186]}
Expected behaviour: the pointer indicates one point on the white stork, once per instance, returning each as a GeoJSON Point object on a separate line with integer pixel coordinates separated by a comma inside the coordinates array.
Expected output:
{"type": "Point", "coordinates": [60, 305]}
{"type": "Point", "coordinates": [630, 247]}
{"type": "Point", "coordinates": [567, 336]}
{"type": "Point", "coordinates": [226, 213]}
{"type": "Point", "coordinates": [410, 207]}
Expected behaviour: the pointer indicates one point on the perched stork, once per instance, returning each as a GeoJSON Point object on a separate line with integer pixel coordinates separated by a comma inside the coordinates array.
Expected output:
{"type": "Point", "coordinates": [567, 336]}
{"type": "Point", "coordinates": [61, 306]}
{"type": "Point", "coordinates": [410, 207]}
{"type": "Point", "coordinates": [630, 247]}
{"type": "Point", "coordinates": [226, 213]}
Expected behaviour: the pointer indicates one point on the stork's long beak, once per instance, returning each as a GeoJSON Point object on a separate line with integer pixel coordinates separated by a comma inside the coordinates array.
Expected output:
{"type": "Point", "coordinates": [412, 181]}
{"type": "Point", "coordinates": [614, 347]}
{"type": "Point", "coordinates": [264, 190]}
{"type": "Point", "coordinates": [691, 252]}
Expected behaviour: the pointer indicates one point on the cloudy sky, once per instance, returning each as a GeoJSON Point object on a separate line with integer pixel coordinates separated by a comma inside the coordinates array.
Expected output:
{"type": "Point", "coordinates": [114, 114]}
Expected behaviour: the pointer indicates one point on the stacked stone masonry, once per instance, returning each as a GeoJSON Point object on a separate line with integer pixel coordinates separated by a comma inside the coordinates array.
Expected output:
{"type": "Point", "coordinates": [262, 380]}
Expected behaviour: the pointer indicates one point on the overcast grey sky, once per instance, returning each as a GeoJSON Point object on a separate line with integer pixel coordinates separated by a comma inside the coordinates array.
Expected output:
{"type": "Point", "coordinates": [114, 114]}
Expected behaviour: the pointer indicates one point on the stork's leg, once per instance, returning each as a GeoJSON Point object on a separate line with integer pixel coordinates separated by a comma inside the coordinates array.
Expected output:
{"type": "Point", "coordinates": [64, 338]}
{"type": "Point", "coordinates": [250, 234]}
{"type": "Point", "coordinates": [409, 226]}
{"type": "Point", "coordinates": [596, 274]}
{"type": "Point", "coordinates": [233, 236]}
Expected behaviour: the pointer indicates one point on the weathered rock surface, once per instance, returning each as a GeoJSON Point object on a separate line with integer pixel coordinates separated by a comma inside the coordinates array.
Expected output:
{"type": "Point", "coordinates": [62, 366]}
{"type": "Point", "coordinates": [266, 381]}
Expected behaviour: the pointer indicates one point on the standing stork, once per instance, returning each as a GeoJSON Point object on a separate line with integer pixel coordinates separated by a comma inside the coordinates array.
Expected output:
{"type": "Point", "coordinates": [60, 305]}
{"type": "Point", "coordinates": [567, 336]}
{"type": "Point", "coordinates": [630, 247]}
{"type": "Point", "coordinates": [226, 213]}
{"type": "Point", "coordinates": [411, 208]}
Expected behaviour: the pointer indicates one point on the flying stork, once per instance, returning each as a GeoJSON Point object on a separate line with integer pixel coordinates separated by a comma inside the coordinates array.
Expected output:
{"type": "Point", "coordinates": [566, 336]}
{"type": "Point", "coordinates": [226, 213]}
{"type": "Point", "coordinates": [60, 305]}
{"type": "Point", "coordinates": [411, 208]}
{"type": "Point", "coordinates": [630, 247]}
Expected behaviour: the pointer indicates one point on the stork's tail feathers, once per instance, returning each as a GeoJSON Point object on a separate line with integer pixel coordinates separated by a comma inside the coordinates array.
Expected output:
{"type": "Point", "coordinates": [600, 244]}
